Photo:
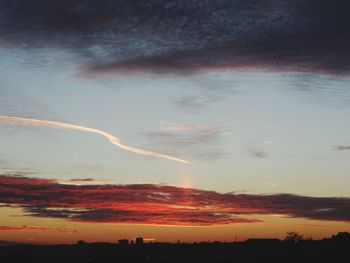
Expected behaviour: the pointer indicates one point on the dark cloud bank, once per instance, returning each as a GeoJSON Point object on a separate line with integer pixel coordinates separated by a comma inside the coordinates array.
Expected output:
{"type": "Point", "coordinates": [159, 204]}
{"type": "Point", "coordinates": [186, 35]}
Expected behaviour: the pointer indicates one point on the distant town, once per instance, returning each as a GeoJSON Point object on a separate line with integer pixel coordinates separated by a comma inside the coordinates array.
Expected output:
{"type": "Point", "coordinates": [293, 248]}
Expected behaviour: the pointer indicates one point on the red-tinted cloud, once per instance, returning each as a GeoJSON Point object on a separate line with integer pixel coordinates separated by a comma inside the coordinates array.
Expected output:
{"type": "Point", "coordinates": [159, 204]}
{"type": "Point", "coordinates": [23, 228]}
{"type": "Point", "coordinates": [38, 228]}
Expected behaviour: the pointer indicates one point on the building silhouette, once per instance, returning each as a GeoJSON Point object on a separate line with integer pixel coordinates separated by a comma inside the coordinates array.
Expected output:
{"type": "Point", "coordinates": [139, 241]}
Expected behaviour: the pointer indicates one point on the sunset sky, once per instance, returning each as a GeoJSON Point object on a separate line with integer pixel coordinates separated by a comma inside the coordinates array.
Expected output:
{"type": "Point", "coordinates": [189, 120]}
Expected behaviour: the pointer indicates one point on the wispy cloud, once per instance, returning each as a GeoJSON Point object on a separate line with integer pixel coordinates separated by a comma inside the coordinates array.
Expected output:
{"type": "Point", "coordinates": [190, 102]}
{"type": "Point", "coordinates": [111, 138]}
{"type": "Point", "coordinates": [342, 147]}
{"type": "Point", "coordinates": [257, 153]}
{"type": "Point", "coordinates": [271, 183]}
{"type": "Point", "coordinates": [313, 225]}
{"type": "Point", "coordinates": [194, 140]}
{"type": "Point", "coordinates": [159, 204]}
{"type": "Point", "coordinates": [24, 228]}
{"type": "Point", "coordinates": [199, 100]}
{"type": "Point", "coordinates": [185, 127]}
{"type": "Point", "coordinates": [38, 228]}
{"type": "Point", "coordinates": [82, 180]}
{"type": "Point", "coordinates": [268, 142]}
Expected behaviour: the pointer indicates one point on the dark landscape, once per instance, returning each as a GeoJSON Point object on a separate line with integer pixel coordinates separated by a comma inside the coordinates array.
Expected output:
{"type": "Point", "coordinates": [292, 249]}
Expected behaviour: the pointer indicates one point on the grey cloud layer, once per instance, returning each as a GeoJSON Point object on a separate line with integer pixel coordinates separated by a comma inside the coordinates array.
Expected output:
{"type": "Point", "coordinates": [186, 35]}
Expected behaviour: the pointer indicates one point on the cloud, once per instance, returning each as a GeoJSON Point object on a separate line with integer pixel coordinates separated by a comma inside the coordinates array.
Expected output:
{"type": "Point", "coordinates": [196, 141]}
{"type": "Point", "coordinates": [82, 180]}
{"type": "Point", "coordinates": [38, 228]}
{"type": "Point", "coordinates": [194, 102]}
{"type": "Point", "coordinates": [185, 36]}
{"type": "Point", "coordinates": [271, 183]}
{"type": "Point", "coordinates": [285, 53]}
{"type": "Point", "coordinates": [204, 90]}
{"type": "Point", "coordinates": [312, 225]}
{"type": "Point", "coordinates": [160, 204]}
{"type": "Point", "coordinates": [191, 102]}
{"type": "Point", "coordinates": [111, 138]}
{"type": "Point", "coordinates": [268, 142]}
{"type": "Point", "coordinates": [342, 147]}
{"type": "Point", "coordinates": [257, 153]}
{"type": "Point", "coordinates": [185, 127]}
{"type": "Point", "coordinates": [24, 228]}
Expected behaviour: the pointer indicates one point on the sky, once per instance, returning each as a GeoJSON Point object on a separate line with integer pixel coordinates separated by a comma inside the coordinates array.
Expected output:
{"type": "Point", "coordinates": [173, 120]}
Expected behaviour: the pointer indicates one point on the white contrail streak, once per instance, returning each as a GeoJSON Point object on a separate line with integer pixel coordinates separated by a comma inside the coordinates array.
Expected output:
{"type": "Point", "coordinates": [113, 139]}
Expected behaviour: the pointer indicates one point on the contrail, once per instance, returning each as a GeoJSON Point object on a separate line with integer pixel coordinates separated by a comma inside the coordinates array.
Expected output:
{"type": "Point", "coordinates": [111, 138]}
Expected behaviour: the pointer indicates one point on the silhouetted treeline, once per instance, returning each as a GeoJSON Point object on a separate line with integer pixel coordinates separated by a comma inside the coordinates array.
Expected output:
{"type": "Point", "coordinates": [334, 249]}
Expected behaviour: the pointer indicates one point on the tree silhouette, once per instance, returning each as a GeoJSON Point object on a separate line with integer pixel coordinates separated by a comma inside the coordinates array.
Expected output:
{"type": "Point", "coordinates": [293, 237]}
{"type": "Point", "coordinates": [344, 236]}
